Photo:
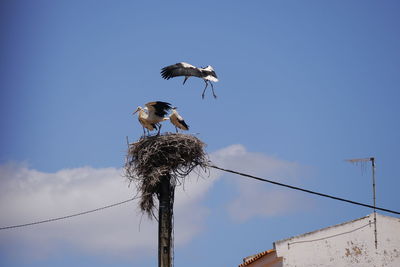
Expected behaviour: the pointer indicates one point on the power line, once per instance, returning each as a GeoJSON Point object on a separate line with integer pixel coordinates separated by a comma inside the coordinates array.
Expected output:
{"type": "Point", "coordinates": [304, 190]}
{"type": "Point", "coordinates": [215, 167]}
{"type": "Point", "coordinates": [68, 216]}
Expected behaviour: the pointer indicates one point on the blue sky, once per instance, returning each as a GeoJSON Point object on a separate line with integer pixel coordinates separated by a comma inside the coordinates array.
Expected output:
{"type": "Point", "coordinates": [303, 86]}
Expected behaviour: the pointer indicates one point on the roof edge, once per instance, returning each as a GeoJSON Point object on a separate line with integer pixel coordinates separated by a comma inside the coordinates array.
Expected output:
{"type": "Point", "coordinates": [255, 257]}
{"type": "Point", "coordinates": [321, 229]}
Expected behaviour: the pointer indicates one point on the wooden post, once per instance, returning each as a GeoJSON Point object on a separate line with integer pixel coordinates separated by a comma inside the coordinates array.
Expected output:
{"type": "Point", "coordinates": [165, 222]}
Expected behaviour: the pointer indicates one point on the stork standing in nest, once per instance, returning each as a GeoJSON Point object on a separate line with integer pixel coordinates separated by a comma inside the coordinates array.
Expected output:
{"type": "Point", "coordinates": [184, 69]}
{"type": "Point", "coordinates": [177, 120]}
{"type": "Point", "coordinates": [152, 115]}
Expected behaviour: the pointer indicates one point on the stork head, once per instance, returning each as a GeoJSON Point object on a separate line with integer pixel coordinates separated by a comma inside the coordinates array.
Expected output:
{"type": "Point", "coordinates": [138, 109]}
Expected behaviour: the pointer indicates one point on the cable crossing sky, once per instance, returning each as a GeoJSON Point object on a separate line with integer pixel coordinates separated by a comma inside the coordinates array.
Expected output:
{"type": "Point", "coordinates": [215, 167]}
{"type": "Point", "coordinates": [68, 216]}
{"type": "Point", "coordinates": [304, 190]}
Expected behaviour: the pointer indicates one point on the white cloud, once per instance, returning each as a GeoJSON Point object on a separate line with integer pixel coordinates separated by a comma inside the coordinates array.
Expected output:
{"type": "Point", "coordinates": [236, 157]}
{"type": "Point", "coordinates": [28, 195]}
{"type": "Point", "coordinates": [255, 198]}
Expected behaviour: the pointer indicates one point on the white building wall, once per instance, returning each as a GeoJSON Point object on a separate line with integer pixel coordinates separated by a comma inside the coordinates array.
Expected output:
{"type": "Point", "coordinates": [347, 244]}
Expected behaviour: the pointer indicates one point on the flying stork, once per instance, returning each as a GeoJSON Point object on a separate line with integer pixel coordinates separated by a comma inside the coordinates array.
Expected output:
{"type": "Point", "coordinates": [153, 113]}
{"type": "Point", "coordinates": [184, 69]}
{"type": "Point", "coordinates": [177, 120]}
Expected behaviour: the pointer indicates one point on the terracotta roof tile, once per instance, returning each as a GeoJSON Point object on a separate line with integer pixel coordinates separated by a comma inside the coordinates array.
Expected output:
{"type": "Point", "coordinates": [253, 258]}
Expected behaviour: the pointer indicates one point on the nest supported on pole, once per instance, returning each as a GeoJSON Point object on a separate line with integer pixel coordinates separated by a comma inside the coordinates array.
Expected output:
{"type": "Point", "coordinates": [153, 157]}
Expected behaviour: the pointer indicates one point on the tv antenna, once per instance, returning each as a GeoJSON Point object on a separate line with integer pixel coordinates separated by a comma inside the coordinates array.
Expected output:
{"type": "Point", "coordinates": [372, 160]}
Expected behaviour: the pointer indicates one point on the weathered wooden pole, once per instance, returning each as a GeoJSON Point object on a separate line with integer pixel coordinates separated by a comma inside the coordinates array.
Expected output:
{"type": "Point", "coordinates": [165, 221]}
{"type": "Point", "coordinates": [176, 155]}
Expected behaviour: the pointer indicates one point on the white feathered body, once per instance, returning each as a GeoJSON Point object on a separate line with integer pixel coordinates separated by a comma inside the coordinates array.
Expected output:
{"type": "Point", "coordinates": [178, 121]}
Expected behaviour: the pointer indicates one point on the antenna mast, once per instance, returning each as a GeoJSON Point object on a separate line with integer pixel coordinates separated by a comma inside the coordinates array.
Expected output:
{"type": "Point", "coordinates": [372, 159]}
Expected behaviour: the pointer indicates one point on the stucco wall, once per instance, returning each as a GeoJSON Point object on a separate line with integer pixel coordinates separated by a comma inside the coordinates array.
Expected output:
{"type": "Point", "coordinates": [347, 244]}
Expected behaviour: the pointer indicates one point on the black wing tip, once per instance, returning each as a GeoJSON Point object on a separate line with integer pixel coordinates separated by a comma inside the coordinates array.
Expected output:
{"type": "Point", "coordinates": [163, 102]}
{"type": "Point", "coordinates": [184, 125]}
{"type": "Point", "coordinates": [166, 73]}
{"type": "Point", "coordinates": [164, 105]}
{"type": "Point", "coordinates": [162, 108]}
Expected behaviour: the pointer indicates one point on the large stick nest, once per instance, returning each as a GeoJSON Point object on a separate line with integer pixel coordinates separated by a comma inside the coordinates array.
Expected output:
{"type": "Point", "coordinates": [153, 157]}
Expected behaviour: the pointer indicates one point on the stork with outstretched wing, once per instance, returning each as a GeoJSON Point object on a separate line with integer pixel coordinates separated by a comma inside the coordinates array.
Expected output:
{"type": "Point", "coordinates": [184, 69]}
{"type": "Point", "coordinates": [152, 115]}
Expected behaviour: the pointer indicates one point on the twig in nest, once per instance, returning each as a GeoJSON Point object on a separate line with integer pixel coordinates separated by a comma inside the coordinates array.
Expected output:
{"type": "Point", "coordinates": [153, 157]}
